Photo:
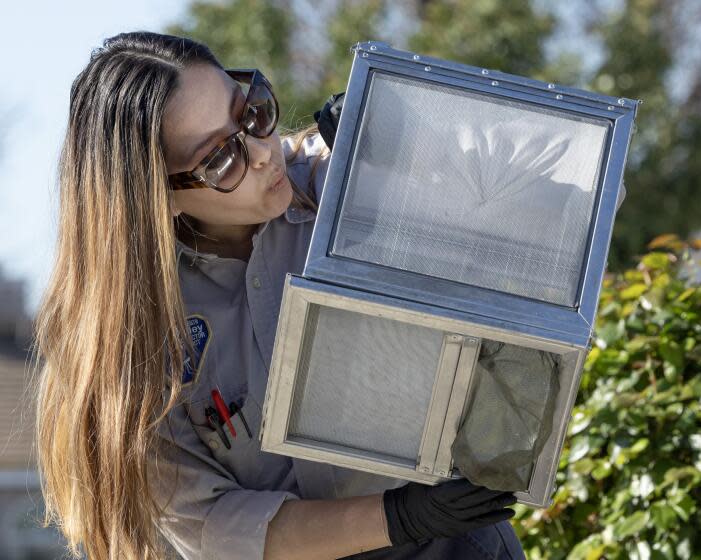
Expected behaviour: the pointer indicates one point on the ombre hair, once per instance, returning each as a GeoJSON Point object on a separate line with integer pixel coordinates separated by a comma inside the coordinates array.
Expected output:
{"type": "Point", "coordinates": [110, 335]}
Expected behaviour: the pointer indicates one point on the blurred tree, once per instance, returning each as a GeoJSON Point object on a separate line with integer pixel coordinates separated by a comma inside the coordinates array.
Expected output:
{"type": "Point", "coordinates": [506, 35]}
{"type": "Point", "coordinates": [663, 165]}
{"type": "Point", "coordinates": [353, 21]}
{"type": "Point", "coordinates": [247, 34]}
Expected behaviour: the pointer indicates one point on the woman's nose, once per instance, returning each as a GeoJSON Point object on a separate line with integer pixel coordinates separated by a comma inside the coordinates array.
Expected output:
{"type": "Point", "coordinates": [259, 151]}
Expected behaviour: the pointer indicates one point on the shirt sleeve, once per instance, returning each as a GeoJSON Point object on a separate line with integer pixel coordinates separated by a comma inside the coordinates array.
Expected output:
{"type": "Point", "coordinates": [320, 176]}
{"type": "Point", "coordinates": [207, 514]}
{"type": "Point", "coordinates": [312, 148]}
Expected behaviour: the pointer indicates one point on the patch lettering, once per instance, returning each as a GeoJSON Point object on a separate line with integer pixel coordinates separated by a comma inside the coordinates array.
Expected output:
{"type": "Point", "coordinates": [200, 334]}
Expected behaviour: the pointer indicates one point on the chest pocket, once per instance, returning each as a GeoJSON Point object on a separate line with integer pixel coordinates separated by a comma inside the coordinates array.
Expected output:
{"type": "Point", "coordinates": [252, 468]}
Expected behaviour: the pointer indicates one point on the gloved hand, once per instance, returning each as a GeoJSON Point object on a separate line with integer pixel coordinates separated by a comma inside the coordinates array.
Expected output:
{"type": "Point", "coordinates": [417, 512]}
{"type": "Point", "coordinates": [328, 117]}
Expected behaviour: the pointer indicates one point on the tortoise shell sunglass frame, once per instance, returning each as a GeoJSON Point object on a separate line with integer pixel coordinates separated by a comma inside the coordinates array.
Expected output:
{"type": "Point", "coordinates": [258, 118]}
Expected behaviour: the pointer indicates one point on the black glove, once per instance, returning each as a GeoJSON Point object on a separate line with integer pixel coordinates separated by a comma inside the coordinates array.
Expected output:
{"type": "Point", "coordinates": [417, 512]}
{"type": "Point", "coordinates": [329, 116]}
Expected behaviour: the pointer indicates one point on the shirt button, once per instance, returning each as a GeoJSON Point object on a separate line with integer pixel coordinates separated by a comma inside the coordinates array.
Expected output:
{"type": "Point", "coordinates": [214, 443]}
{"type": "Point", "coordinates": [256, 282]}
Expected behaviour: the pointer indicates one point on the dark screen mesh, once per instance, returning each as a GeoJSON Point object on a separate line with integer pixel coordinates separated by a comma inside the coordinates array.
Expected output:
{"type": "Point", "coordinates": [509, 416]}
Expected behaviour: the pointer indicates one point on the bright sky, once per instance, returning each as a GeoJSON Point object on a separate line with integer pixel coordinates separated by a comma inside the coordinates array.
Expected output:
{"type": "Point", "coordinates": [44, 45]}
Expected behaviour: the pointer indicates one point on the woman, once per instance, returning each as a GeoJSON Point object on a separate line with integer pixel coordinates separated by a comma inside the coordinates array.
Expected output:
{"type": "Point", "coordinates": [178, 222]}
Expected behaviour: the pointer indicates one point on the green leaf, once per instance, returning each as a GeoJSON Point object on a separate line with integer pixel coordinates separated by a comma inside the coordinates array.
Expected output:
{"type": "Point", "coordinates": [610, 333]}
{"type": "Point", "coordinates": [580, 420]}
{"type": "Point", "coordinates": [631, 525]}
{"type": "Point", "coordinates": [684, 507]}
{"type": "Point", "coordinates": [580, 447]}
{"type": "Point", "coordinates": [662, 281]}
{"type": "Point", "coordinates": [583, 466]}
{"type": "Point", "coordinates": [639, 446]}
{"type": "Point", "coordinates": [656, 261]}
{"type": "Point", "coordinates": [663, 515]}
{"type": "Point", "coordinates": [674, 475]}
{"type": "Point", "coordinates": [590, 548]}
{"type": "Point", "coordinates": [602, 470]}
{"type": "Point", "coordinates": [625, 400]}
{"type": "Point", "coordinates": [695, 386]}
{"type": "Point", "coordinates": [672, 352]}
{"type": "Point", "coordinates": [639, 342]}
{"type": "Point", "coordinates": [634, 291]}
{"type": "Point", "coordinates": [686, 294]}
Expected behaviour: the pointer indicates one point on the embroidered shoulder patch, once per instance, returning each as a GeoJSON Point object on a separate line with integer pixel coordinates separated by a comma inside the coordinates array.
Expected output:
{"type": "Point", "coordinates": [200, 334]}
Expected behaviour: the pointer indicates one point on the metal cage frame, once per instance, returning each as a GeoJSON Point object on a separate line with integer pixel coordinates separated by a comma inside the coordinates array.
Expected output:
{"type": "Point", "coordinates": [451, 386]}
{"type": "Point", "coordinates": [464, 314]}
{"type": "Point", "coordinates": [530, 316]}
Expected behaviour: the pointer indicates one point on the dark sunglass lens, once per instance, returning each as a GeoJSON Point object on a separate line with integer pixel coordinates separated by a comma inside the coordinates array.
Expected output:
{"type": "Point", "coordinates": [228, 167]}
{"type": "Point", "coordinates": [262, 115]}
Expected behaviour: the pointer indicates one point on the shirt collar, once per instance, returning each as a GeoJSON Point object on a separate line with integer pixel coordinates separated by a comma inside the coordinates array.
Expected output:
{"type": "Point", "coordinates": [297, 215]}
{"type": "Point", "coordinates": [293, 215]}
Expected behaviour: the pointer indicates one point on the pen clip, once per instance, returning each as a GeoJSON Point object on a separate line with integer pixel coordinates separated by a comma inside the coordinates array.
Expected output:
{"type": "Point", "coordinates": [235, 409]}
{"type": "Point", "coordinates": [213, 420]}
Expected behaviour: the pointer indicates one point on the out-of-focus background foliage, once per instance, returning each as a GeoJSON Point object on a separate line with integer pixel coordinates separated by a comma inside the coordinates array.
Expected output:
{"type": "Point", "coordinates": [629, 483]}
{"type": "Point", "coordinates": [630, 475]}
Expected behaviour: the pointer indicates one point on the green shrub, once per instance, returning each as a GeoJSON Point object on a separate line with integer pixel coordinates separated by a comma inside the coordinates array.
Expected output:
{"type": "Point", "coordinates": [629, 482]}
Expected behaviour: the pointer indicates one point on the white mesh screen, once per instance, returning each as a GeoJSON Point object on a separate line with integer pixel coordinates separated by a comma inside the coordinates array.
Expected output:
{"type": "Point", "coordinates": [471, 188]}
{"type": "Point", "coordinates": [364, 382]}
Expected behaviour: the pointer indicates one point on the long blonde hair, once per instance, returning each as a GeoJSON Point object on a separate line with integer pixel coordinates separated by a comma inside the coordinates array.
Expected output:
{"type": "Point", "coordinates": [110, 333]}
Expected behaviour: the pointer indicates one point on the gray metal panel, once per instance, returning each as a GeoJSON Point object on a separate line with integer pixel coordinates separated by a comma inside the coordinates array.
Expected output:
{"type": "Point", "coordinates": [575, 337]}
{"type": "Point", "coordinates": [380, 50]}
{"type": "Point", "coordinates": [300, 294]}
{"type": "Point", "coordinates": [456, 408]}
{"type": "Point", "coordinates": [526, 315]}
{"type": "Point", "coordinates": [440, 397]}
{"type": "Point", "coordinates": [604, 217]}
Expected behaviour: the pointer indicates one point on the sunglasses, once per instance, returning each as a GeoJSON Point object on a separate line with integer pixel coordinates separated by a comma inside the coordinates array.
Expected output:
{"type": "Point", "coordinates": [228, 160]}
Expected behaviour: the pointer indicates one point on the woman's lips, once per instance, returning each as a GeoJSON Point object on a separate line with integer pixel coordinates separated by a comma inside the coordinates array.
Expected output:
{"type": "Point", "coordinates": [277, 185]}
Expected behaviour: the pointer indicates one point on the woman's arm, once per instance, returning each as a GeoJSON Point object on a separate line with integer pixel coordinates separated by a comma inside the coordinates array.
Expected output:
{"type": "Point", "coordinates": [321, 529]}
{"type": "Point", "coordinates": [327, 529]}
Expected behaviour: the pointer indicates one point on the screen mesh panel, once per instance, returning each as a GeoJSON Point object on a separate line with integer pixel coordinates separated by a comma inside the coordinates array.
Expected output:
{"type": "Point", "coordinates": [509, 417]}
{"type": "Point", "coordinates": [364, 382]}
{"type": "Point", "coordinates": [471, 188]}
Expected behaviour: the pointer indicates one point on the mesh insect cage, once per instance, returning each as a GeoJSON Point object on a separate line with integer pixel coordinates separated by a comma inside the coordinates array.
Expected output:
{"type": "Point", "coordinates": [446, 306]}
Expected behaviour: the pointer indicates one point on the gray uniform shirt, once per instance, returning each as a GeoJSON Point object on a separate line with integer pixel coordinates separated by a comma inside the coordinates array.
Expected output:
{"type": "Point", "coordinates": [224, 498]}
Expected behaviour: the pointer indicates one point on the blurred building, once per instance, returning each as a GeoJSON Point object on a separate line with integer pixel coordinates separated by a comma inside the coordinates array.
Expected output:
{"type": "Point", "coordinates": [21, 503]}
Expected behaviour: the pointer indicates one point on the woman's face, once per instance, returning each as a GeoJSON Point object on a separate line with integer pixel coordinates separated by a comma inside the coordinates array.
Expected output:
{"type": "Point", "coordinates": [201, 110]}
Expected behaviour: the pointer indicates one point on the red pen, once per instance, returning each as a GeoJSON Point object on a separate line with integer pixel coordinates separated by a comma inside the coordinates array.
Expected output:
{"type": "Point", "coordinates": [222, 409]}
